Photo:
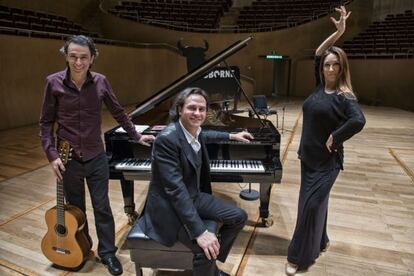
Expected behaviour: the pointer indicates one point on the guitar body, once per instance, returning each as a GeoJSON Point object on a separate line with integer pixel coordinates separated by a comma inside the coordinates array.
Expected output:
{"type": "Point", "coordinates": [66, 246]}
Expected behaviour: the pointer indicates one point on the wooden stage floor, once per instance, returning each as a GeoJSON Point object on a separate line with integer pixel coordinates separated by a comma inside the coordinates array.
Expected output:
{"type": "Point", "coordinates": [371, 211]}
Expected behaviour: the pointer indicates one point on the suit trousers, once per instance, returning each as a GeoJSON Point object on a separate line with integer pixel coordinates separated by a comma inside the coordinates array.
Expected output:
{"type": "Point", "coordinates": [232, 219]}
{"type": "Point", "coordinates": [96, 173]}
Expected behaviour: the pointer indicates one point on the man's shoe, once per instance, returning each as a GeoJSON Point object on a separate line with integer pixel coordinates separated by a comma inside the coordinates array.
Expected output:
{"type": "Point", "coordinates": [291, 269]}
{"type": "Point", "coordinates": [113, 264]}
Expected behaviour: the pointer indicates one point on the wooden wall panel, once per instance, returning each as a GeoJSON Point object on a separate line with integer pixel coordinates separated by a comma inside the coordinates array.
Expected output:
{"type": "Point", "coordinates": [135, 74]}
{"type": "Point", "coordinates": [385, 82]}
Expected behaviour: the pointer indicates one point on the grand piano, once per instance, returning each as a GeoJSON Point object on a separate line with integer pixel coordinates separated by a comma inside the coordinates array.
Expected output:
{"type": "Point", "coordinates": [234, 162]}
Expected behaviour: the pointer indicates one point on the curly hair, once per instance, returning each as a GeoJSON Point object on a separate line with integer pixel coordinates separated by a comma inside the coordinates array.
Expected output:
{"type": "Point", "coordinates": [80, 40]}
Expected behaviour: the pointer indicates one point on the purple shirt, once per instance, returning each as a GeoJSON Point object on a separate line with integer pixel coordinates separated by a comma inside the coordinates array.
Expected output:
{"type": "Point", "coordinates": [78, 114]}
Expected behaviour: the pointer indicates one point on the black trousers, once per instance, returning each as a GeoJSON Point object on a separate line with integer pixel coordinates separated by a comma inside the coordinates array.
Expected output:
{"type": "Point", "coordinates": [96, 173]}
{"type": "Point", "coordinates": [232, 219]}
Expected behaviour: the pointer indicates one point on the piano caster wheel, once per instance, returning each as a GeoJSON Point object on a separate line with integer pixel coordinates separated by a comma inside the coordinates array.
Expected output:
{"type": "Point", "coordinates": [132, 217]}
{"type": "Point", "coordinates": [267, 222]}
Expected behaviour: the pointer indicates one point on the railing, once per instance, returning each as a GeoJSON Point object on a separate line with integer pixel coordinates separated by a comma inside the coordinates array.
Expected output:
{"type": "Point", "coordinates": [64, 36]}
{"type": "Point", "coordinates": [185, 26]}
{"type": "Point", "coordinates": [293, 21]}
{"type": "Point", "coordinates": [310, 53]}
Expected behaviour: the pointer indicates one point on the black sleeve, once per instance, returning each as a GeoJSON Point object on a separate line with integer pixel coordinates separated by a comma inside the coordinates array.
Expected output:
{"type": "Point", "coordinates": [354, 123]}
{"type": "Point", "coordinates": [317, 63]}
{"type": "Point", "coordinates": [213, 136]}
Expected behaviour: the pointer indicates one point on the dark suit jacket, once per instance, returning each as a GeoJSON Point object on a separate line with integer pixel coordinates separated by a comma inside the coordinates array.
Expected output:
{"type": "Point", "coordinates": [173, 186]}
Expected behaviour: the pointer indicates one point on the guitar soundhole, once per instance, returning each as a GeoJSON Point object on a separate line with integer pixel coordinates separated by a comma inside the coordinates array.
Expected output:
{"type": "Point", "coordinates": [60, 230]}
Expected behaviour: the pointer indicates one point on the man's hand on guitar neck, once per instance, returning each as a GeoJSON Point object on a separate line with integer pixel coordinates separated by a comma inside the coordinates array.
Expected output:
{"type": "Point", "coordinates": [58, 168]}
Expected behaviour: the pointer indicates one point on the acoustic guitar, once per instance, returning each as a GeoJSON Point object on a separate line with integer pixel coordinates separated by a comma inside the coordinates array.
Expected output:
{"type": "Point", "coordinates": [65, 243]}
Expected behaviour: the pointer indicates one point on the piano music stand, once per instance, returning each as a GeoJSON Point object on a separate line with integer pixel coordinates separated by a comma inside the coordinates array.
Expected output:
{"type": "Point", "coordinates": [249, 194]}
{"type": "Point", "coordinates": [246, 194]}
{"type": "Point", "coordinates": [261, 107]}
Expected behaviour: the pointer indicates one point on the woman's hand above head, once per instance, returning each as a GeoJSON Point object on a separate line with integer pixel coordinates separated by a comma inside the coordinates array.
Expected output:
{"type": "Point", "coordinates": [341, 23]}
{"type": "Point", "coordinates": [340, 29]}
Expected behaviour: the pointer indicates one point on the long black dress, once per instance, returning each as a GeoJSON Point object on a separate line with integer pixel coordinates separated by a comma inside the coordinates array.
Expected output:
{"type": "Point", "coordinates": [323, 114]}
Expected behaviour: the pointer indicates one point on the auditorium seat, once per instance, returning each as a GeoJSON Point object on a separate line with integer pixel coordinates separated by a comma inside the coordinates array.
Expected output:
{"type": "Point", "coordinates": [392, 37]}
{"type": "Point", "coordinates": [28, 21]}
{"type": "Point", "coordinates": [173, 13]}
{"type": "Point", "coordinates": [265, 15]}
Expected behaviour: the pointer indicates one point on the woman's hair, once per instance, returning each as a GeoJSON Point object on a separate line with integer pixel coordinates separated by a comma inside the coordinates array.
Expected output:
{"type": "Point", "coordinates": [80, 40]}
{"type": "Point", "coordinates": [343, 85]}
{"type": "Point", "coordinates": [182, 97]}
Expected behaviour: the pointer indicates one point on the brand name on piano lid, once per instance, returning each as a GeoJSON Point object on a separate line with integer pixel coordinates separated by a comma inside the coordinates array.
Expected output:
{"type": "Point", "coordinates": [215, 74]}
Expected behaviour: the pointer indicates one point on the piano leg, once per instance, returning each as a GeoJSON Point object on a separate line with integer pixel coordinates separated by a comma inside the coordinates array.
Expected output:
{"type": "Point", "coordinates": [129, 204]}
{"type": "Point", "coordinates": [265, 189]}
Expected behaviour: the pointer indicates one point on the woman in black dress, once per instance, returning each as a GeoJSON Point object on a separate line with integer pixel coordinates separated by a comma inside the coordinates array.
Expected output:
{"type": "Point", "coordinates": [331, 115]}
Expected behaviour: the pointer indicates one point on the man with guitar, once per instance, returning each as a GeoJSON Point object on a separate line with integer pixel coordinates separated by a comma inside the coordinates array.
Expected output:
{"type": "Point", "coordinates": [73, 99]}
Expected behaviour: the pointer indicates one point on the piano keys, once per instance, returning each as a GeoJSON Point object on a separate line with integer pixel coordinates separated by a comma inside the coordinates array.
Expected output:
{"type": "Point", "coordinates": [231, 161]}
{"type": "Point", "coordinates": [216, 166]}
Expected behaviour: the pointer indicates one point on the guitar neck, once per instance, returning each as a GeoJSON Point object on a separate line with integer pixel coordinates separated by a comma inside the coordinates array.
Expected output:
{"type": "Point", "coordinates": [65, 151]}
{"type": "Point", "coordinates": [60, 203]}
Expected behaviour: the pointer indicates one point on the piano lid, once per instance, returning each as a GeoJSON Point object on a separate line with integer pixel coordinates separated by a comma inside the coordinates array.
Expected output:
{"type": "Point", "coordinates": [181, 83]}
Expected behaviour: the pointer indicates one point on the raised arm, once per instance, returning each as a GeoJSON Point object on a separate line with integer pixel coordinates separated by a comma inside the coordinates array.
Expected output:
{"type": "Point", "coordinates": [340, 29]}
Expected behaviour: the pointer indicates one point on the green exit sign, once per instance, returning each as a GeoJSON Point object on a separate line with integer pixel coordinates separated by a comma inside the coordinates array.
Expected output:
{"type": "Point", "coordinates": [274, 57]}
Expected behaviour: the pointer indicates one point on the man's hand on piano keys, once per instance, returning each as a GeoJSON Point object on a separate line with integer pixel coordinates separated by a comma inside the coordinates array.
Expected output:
{"type": "Point", "coordinates": [242, 136]}
{"type": "Point", "coordinates": [146, 140]}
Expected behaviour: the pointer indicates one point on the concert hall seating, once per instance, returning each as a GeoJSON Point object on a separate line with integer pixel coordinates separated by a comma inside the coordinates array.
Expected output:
{"type": "Point", "coordinates": [37, 24]}
{"type": "Point", "coordinates": [268, 15]}
{"type": "Point", "coordinates": [170, 13]}
{"type": "Point", "coordinates": [199, 15]}
{"type": "Point", "coordinates": [392, 37]}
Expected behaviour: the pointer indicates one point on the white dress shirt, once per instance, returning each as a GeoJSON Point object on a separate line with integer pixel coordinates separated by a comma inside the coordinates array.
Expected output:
{"type": "Point", "coordinates": [193, 141]}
